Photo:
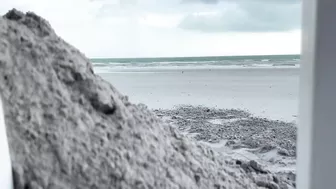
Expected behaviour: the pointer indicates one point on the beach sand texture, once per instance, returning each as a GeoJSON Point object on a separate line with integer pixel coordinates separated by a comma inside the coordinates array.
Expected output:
{"type": "Point", "coordinates": [69, 128]}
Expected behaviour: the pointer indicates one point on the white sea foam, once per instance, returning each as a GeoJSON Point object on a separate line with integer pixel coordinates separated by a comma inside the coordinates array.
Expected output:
{"type": "Point", "coordinates": [153, 68]}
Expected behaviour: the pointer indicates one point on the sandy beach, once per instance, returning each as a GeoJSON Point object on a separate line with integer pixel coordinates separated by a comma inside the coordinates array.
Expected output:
{"type": "Point", "coordinates": [265, 92]}
{"type": "Point", "coordinates": [70, 128]}
{"type": "Point", "coordinates": [246, 114]}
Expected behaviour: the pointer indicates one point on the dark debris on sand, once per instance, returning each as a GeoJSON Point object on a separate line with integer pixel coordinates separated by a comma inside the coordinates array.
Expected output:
{"type": "Point", "coordinates": [238, 127]}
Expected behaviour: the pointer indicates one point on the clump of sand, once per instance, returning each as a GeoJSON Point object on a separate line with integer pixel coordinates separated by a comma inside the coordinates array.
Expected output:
{"type": "Point", "coordinates": [68, 128]}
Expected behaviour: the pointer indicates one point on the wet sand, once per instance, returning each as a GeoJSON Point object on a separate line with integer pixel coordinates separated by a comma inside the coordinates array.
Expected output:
{"type": "Point", "coordinates": [265, 92]}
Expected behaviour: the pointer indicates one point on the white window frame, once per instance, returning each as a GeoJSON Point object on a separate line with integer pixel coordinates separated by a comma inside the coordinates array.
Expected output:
{"type": "Point", "coordinates": [317, 107]}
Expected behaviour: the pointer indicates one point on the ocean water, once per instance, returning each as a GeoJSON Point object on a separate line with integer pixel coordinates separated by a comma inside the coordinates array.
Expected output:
{"type": "Point", "coordinates": [221, 62]}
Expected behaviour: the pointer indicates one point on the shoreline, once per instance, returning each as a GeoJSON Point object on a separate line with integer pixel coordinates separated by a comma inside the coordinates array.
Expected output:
{"type": "Point", "coordinates": [105, 69]}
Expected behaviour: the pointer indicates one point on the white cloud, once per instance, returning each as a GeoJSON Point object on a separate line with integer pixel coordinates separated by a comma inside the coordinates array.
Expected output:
{"type": "Point", "coordinates": [108, 28]}
{"type": "Point", "coordinates": [246, 16]}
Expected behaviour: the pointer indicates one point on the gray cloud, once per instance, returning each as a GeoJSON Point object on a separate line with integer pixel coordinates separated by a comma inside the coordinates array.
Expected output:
{"type": "Point", "coordinates": [248, 16]}
{"type": "Point", "coordinates": [232, 15]}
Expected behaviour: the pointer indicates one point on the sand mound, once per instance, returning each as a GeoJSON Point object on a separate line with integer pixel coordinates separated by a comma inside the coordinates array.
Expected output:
{"type": "Point", "coordinates": [68, 128]}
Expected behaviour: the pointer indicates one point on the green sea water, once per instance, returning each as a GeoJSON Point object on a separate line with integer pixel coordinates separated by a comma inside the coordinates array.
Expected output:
{"type": "Point", "coordinates": [222, 59]}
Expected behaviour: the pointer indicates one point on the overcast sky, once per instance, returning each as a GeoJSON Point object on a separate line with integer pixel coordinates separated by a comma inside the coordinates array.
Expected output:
{"type": "Point", "coordinates": [156, 28]}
